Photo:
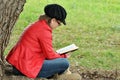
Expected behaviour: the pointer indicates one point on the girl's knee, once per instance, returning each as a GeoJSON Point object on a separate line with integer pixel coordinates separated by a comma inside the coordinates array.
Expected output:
{"type": "Point", "coordinates": [65, 62]}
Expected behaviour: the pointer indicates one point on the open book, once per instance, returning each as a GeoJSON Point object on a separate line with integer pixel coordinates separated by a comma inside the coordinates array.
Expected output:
{"type": "Point", "coordinates": [68, 48]}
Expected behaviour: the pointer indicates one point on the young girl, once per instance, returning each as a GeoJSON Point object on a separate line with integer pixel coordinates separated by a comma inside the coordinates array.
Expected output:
{"type": "Point", "coordinates": [33, 55]}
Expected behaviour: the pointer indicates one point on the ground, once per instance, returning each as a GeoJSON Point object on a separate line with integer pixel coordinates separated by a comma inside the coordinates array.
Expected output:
{"type": "Point", "coordinates": [96, 74]}
{"type": "Point", "coordinates": [85, 73]}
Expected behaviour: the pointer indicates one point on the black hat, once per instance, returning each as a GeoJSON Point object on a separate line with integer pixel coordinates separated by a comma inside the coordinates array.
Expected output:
{"type": "Point", "coordinates": [56, 11]}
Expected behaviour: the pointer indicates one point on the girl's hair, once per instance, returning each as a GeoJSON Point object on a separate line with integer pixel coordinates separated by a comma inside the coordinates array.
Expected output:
{"type": "Point", "coordinates": [45, 17]}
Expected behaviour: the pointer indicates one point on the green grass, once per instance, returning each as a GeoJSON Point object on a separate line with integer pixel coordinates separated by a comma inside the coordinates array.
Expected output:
{"type": "Point", "coordinates": [93, 25]}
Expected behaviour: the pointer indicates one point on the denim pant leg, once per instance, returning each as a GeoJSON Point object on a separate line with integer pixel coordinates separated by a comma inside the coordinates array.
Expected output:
{"type": "Point", "coordinates": [17, 72]}
{"type": "Point", "coordinates": [51, 67]}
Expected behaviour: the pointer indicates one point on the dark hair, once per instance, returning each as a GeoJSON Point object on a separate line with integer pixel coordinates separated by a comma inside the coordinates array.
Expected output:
{"type": "Point", "coordinates": [56, 11]}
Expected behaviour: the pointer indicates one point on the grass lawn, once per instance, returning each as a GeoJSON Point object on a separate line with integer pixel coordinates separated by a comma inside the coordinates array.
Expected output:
{"type": "Point", "coordinates": [93, 25]}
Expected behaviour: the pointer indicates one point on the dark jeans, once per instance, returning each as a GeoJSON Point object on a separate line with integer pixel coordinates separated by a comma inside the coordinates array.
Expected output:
{"type": "Point", "coordinates": [49, 68]}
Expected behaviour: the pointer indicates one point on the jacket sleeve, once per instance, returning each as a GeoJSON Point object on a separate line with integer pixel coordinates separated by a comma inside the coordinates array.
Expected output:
{"type": "Point", "coordinates": [45, 41]}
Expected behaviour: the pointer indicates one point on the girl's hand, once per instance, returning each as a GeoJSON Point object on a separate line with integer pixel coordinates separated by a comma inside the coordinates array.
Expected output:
{"type": "Point", "coordinates": [66, 55]}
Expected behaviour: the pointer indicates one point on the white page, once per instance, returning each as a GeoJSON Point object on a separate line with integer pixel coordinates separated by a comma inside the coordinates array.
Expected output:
{"type": "Point", "coordinates": [67, 49]}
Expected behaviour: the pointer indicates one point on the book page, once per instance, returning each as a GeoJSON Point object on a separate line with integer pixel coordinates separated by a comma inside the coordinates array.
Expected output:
{"type": "Point", "coordinates": [68, 48]}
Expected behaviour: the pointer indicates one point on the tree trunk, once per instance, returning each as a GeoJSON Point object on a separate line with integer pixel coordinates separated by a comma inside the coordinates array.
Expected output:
{"type": "Point", "coordinates": [9, 13]}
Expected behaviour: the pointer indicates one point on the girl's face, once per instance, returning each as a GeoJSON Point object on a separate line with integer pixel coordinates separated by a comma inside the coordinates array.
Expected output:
{"type": "Point", "coordinates": [54, 23]}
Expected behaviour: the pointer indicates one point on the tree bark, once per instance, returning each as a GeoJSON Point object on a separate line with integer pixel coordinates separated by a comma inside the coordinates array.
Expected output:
{"type": "Point", "coordinates": [9, 13]}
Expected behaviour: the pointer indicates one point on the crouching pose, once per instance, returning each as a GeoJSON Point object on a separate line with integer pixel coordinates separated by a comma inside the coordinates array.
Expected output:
{"type": "Point", "coordinates": [33, 55]}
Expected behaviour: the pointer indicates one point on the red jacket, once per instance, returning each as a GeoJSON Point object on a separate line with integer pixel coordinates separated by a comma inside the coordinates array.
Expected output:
{"type": "Point", "coordinates": [33, 47]}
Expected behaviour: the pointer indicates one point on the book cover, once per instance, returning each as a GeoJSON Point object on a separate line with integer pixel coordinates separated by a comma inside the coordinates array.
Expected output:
{"type": "Point", "coordinates": [67, 49]}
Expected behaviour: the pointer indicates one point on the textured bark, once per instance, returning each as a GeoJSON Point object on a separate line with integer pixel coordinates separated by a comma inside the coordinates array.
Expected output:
{"type": "Point", "coordinates": [9, 13]}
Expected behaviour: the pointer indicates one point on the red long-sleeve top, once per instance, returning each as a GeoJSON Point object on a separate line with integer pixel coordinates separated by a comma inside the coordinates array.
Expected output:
{"type": "Point", "coordinates": [33, 47]}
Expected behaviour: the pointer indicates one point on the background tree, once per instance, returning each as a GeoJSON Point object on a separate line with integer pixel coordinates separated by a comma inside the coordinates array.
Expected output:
{"type": "Point", "coordinates": [9, 13]}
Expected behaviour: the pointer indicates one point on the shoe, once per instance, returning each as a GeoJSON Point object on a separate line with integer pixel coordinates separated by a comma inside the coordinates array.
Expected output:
{"type": "Point", "coordinates": [67, 71]}
{"type": "Point", "coordinates": [72, 76]}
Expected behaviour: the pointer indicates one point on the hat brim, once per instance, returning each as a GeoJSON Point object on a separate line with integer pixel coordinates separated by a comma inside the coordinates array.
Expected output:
{"type": "Point", "coordinates": [64, 22]}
